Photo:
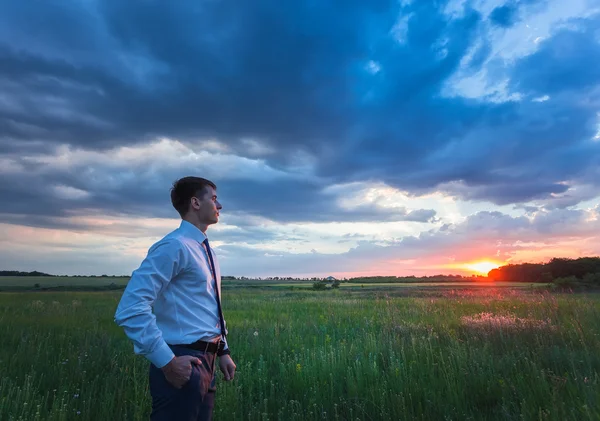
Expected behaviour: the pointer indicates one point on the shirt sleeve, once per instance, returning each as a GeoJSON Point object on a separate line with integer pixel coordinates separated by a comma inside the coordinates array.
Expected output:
{"type": "Point", "coordinates": [165, 260]}
{"type": "Point", "coordinates": [226, 346]}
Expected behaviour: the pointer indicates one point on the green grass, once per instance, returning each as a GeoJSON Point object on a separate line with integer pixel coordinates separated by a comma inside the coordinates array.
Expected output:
{"type": "Point", "coordinates": [306, 355]}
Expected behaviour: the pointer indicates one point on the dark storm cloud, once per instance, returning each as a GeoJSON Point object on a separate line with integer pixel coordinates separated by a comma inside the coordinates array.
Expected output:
{"type": "Point", "coordinates": [563, 63]}
{"type": "Point", "coordinates": [509, 13]}
{"type": "Point", "coordinates": [145, 193]}
{"type": "Point", "coordinates": [327, 79]}
{"type": "Point", "coordinates": [46, 190]}
{"type": "Point", "coordinates": [206, 69]}
{"type": "Point", "coordinates": [504, 15]}
{"type": "Point", "coordinates": [297, 201]}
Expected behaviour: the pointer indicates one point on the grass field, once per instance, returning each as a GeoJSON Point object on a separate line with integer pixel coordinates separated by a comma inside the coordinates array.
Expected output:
{"type": "Point", "coordinates": [23, 283]}
{"type": "Point", "coordinates": [478, 354]}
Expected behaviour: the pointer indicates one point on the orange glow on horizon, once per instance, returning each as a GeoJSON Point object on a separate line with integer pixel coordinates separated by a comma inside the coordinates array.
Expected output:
{"type": "Point", "coordinates": [482, 267]}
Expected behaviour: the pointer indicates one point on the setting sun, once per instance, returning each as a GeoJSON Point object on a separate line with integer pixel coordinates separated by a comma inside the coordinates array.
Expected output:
{"type": "Point", "coordinates": [482, 267]}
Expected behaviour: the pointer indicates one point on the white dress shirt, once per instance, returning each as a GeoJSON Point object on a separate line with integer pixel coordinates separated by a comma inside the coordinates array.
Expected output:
{"type": "Point", "coordinates": [176, 281]}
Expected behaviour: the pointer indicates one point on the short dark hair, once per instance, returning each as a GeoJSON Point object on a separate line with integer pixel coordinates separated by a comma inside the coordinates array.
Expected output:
{"type": "Point", "coordinates": [185, 188]}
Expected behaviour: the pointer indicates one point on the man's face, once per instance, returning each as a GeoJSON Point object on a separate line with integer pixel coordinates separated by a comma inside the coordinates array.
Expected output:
{"type": "Point", "coordinates": [207, 207]}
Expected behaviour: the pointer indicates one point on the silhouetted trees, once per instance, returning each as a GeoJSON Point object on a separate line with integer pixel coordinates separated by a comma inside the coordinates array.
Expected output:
{"type": "Point", "coordinates": [561, 271]}
{"type": "Point", "coordinates": [524, 272]}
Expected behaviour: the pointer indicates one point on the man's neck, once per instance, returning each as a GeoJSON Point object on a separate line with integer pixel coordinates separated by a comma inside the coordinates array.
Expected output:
{"type": "Point", "coordinates": [202, 227]}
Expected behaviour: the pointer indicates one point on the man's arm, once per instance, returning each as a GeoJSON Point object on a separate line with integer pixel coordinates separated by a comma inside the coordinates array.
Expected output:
{"type": "Point", "coordinates": [226, 364]}
{"type": "Point", "coordinates": [164, 261]}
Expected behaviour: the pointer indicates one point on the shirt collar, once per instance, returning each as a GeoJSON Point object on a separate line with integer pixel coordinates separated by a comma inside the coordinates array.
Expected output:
{"type": "Point", "coordinates": [192, 230]}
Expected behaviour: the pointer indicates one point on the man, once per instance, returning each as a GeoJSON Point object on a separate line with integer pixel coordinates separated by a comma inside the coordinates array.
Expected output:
{"type": "Point", "coordinates": [180, 279]}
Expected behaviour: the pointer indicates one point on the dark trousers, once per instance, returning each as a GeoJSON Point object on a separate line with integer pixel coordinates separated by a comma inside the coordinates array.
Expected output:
{"type": "Point", "coordinates": [194, 401]}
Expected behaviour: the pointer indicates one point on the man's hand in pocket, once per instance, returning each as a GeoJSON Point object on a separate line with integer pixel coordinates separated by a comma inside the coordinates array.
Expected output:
{"type": "Point", "coordinates": [179, 370]}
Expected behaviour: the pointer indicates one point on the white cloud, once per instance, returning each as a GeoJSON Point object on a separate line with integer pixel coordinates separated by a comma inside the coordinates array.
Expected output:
{"type": "Point", "coordinates": [164, 154]}
{"type": "Point", "coordinates": [400, 29]}
{"type": "Point", "coordinates": [541, 99]}
{"type": "Point", "coordinates": [69, 192]}
{"type": "Point", "coordinates": [579, 195]}
{"type": "Point", "coordinates": [10, 166]}
{"type": "Point", "coordinates": [520, 40]}
{"type": "Point", "coordinates": [373, 67]}
{"type": "Point", "coordinates": [256, 148]}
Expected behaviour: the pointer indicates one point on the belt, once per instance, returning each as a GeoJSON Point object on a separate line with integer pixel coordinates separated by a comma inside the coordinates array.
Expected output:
{"type": "Point", "coordinates": [209, 347]}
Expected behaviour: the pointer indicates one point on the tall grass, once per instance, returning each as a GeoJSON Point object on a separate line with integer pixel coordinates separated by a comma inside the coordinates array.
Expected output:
{"type": "Point", "coordinates": [307, 355]}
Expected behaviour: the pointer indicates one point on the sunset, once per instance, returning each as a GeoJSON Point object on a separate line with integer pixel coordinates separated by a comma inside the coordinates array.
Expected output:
{"type": "Point", "coordinates": [305, 210]}
{"type": "Point", "coordinates": [482, 267]}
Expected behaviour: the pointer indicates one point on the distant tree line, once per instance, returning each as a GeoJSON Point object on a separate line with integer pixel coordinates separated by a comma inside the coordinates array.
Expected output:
{"type": "Point", "coordinates": [18, 273]}
{"type": "Point", "coordinates": [366, 279]}
{"type": "Point", "coordinates": [565, 272]}
{"type": "Point", "coordinates": [36, 273]}
{"type": "Point", "coordinates": [415, 279]}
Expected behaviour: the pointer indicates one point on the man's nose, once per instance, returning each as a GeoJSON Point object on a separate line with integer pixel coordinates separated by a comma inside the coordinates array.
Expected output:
{"type": "Point", "coordinates": [219, 205]}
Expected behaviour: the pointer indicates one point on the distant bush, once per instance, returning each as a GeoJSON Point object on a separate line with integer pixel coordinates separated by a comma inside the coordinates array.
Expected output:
{"type": "Point", "coordinates": [319, 286]}
{"type": "Point", "coordinates": [567, 282]}
{"type": "Point", "coordinates": [592, 279]}
{"type": "Point", "coordinates": [589, 280]}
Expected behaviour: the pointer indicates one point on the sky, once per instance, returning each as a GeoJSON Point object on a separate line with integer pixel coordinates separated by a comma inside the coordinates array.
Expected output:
{"type": "Point", "coordinates": [345, 138]}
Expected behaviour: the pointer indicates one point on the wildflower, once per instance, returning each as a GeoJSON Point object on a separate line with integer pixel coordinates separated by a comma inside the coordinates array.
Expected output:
{"type": "Point", "coordinates": [37, 304]}
{"type": "Point", "coordinates": [256, 333]}
{"type": "Point", "coordinates": [509, 321]}
{"type": "Point", "coordinates": [298, 368]}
